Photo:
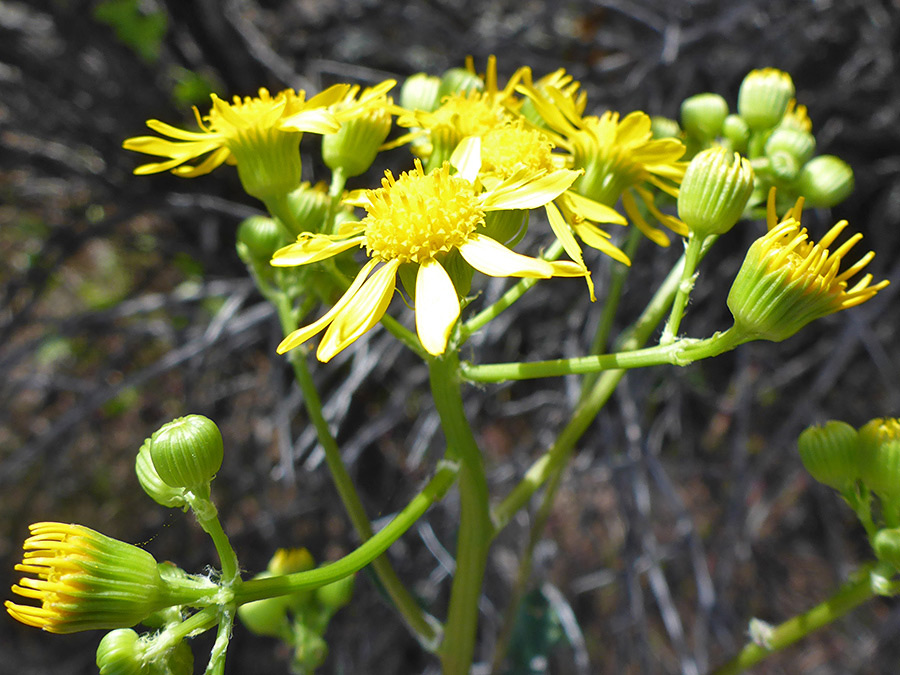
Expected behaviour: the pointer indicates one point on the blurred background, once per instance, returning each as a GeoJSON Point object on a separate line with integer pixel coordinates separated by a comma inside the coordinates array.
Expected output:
{"type": "Point", "coordinates": [685, 512]}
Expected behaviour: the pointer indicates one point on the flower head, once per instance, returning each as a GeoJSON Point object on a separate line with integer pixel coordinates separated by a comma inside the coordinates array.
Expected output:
{"type": "Point", "coordinates": [619, 157]}
{"type": "Point", "coordinates": [786, 280]}
{"type": "Point", "coordinates": [260, 134]}
{"type": "Point", "coordinates": [85, 580]}
{"type": "Point", "coordinates": [421, 218]}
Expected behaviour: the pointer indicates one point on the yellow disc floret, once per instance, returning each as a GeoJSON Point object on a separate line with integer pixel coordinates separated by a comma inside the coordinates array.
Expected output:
{"type": "Point", "coordinates": [418, 215]}
{"type": "Point", "coordinates": [514, 147]}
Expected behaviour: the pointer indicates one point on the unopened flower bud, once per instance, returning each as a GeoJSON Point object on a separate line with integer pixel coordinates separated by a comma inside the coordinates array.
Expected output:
{"type": "Point", "coordinates": [187, 452]}
{"type": "Point", "coordinates": [662, 127]}
{"type": "Point", "coordinates": [421, 92]}
{"type": "Point", "coordinates": [886, 545]}
{"type": "Point", "coordinates": [702, 115]}
{"type": "Point", "coordinates": [830, 453]}
{"type": "Point", "coordinates": [459, 81]}
{"type": "Point", "coordinates": [798, 144]}
{"type": "Point", "coordinates": [261, 235]}
{"type": "Point", "coordinates": [289, 561]}
{"type": "Point", "coordinates": [783, 167]}
{"type": "Point", "coordinates": [879, 446]}
{"type": "Point", "coordinates": [335, 595]}
{"type": "Point", "coordinates": [825, 181]}
{"type": "Point", "coordinates": [121, 652]}
{"type": "Point", "coordinates": [735, 129]}
{"type": "Point", "coordinates": [764, 96]}
{"type": "Point", "coordinates": [160, 492]}
{"type": "Point", "coordinates": [308, 205]}
{"type": "Point", "coordinates": [265, 617]}
{"type": "Point", "coordinates": [714, 191]}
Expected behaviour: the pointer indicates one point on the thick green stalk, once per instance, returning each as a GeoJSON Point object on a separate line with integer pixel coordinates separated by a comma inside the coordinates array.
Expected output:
{"type": "Point", "coordinates": [270, 587]}
{"type": "Point", "coordinates": [208, 518]}
{"type": "Point", "coordinates": [475, 530]}
{"type": "Point", "coordinates": [850, 596]}
{"type": "Point", "coordinates": [680, 353]}
{"type": "Point", "coordinates": [418, 620]}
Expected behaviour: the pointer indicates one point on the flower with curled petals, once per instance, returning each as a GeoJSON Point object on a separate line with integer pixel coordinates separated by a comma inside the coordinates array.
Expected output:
{"type": "Point", "coordinates": [420, 218]}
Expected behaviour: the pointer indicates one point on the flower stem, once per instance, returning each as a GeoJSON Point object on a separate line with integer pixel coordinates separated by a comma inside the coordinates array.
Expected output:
{"type": "Point", "coordinates": [208, 518]}
{"type": "Point", "coordinates": [417, 619]}
{"type": "Point", "coordinates": [692, 256]}
{"type": "Point", "coordinates": [475, 530]}
{"type": "Point", "coordinates": [270, 587]}
{"type": "Point", "coordinates": [850, 596]}
{"type": "Point", "coordinates": [680, 353]}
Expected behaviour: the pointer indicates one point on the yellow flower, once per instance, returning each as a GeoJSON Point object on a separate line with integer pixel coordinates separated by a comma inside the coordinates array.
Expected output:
{"type": "Point", "coordinates": [786, 280]}
{"type": "Point", "coordinates": [260, 134]}
{"type": "Point", "coordinates": [85, 580]}
{"type": "Point", "coordinates": [620, 157]}
{"type": "Point", "coordinates": [420, 218]}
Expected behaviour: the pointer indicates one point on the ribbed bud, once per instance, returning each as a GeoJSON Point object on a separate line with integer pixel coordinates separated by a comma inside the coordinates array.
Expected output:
{"type": "Point", "coordinates": [187, 452]}
{"type": "Point", "coordinates": [702, 115]}
{"type": "Point", "coordinates": [879, 448]}
{"type": "Point", "coordinates": [714, 191]}
{"type": "Point", "coordinates": [735, 129]}
{"type": "Point", "coordinates": [800, 145]}
{"type": "Point", "coordinates": [261, 235]}
{"type": "Point", "coordinates": [831, 453]}
{"type": "Point", "coordinates": [764, 96]}
{"type": "Point", "coordinates": [421, 92]}
{"type": "Point", "coordinates": [268, 161]}
{"type": "Point", "coordinates": [886, 545]}
{"type": "Point", "coordinates": [308, 205]}
{"type": "Point", "coordinates": [352, 149]}
{"type": "Point", "coordinates": [153, 485]}
{"type": "Point", "coordinates": [459, 81]}
{"type": "Point", "coordinates": [335, 595]}
{"type": "Point", "coordinates": [825, 181]}
{"type": "Point", "coordinates": [121, 652]}
{"type": "Point", "coordinates": [783, 167]}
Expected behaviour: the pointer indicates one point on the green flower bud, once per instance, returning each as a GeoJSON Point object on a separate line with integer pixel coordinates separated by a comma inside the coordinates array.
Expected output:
{"type": "Point", "coordinates": [335, 595]}
{"type": "Point", "coordinates": [702, 115]}
{"type": "Point", "coordinates": [308, 205]}
{"type": "Point", "coordinates": [831, 453]}
{"type": "Point", "coordinates": [288, 561]}
{"type": "Point", "coordinates": [783, 167]}
{"type": "Point", "coordinates": [661, 127]}
{"type": "Point", "coordinates": [421, 92]}
{"type": "Point", "coordinates": [352, 149]}
{"type": "Point", "coordinates": [266, 617]}
{"type": "Point", "coordinates": [121, 652]}
{"type": "Point", "coordinates": [310, 650]}
{"type": "Point", "coordinates": [798, 144]}
{"type": "Point", "coordinates": [714, 191]}
{"type": "Point", "coordinates": [459, 81]}
{"type": "Point", "coordinates": [764, 96]}
{"type": "Point", "coordinates": [261, 235]}
{"type": "Point", "coordinates": [825, 181]}
{"type": "Point", "coordinates": [87, 581]}
{"type": "Point", "coordinates": [153, 485]}
{"type": "Point", "coordinates": [886, 545]}
{"type": "Point", "coordinates": [879, 449]}
{"type": "Point", "coordinates": [735, 129]}
{"type": "Point", "coordinates": [187, 452]}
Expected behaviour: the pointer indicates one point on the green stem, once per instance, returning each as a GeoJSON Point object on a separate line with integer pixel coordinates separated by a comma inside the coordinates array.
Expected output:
{"type": "Point", "coordinates": [680, 353]}
{"type": "Point", "coordinates": [270, 587]}
{"type": "Point", "coordinates": [688, 277]}
{"type": "Point", "coordinates": [195, 624]}
{"type": "Point", "coordinates": [508, 299]}
{"type": "Point", "coordinates": [335, 190]}
{"type": "Point", "coordinates": [418, 620]}
{"type": "Point", "coordinates": [611, 304]}
{"type": "Point", "coordinates": [590, 405]}
{"type": "Point", "coordinates": [277, 206]}
{"type": "Point", "coordinates": [208, 518]}
{"type": "Point", "coordinates": [216, 665]}
{"type": "Point", "coordinates": [850, 596]}
{"type": "Point", "coordinates": [475, 531]}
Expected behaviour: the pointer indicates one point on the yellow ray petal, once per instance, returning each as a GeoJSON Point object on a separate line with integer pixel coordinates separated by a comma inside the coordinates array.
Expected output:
{"type": "Point", "coordinates": [592, 210]}
{"type": "Point", "coordinates": [312, 248]}
{"type": "Point", "coordinates": [492, 258]}
{"type": "Point", "coordinates": [466, 158]}
{"type": "Point", "coordinates": [301, 335]}
{"type": "Point", "coordinates": [363, 311]}
{"type": "Point", "coordinates": [174, 132]}
{"type": "Point", "coordinates": [317, 121]}
{"type": "Point", "coordinates": [437, 306]}
{"type": "Point", "coordinates": [214, 160]}
{"type": "Point", "coordinates": [516, 194]}
{"type": "Point", "coordinates": [598, 239]}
